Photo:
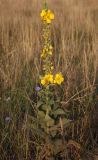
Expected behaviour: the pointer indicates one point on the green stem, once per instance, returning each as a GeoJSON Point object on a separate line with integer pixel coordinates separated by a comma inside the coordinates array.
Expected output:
{"type": "Point", "coordinates": [45, 4]}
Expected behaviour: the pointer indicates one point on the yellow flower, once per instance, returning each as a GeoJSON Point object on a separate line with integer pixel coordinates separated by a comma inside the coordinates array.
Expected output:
{"type": "Point", "coordinates": [47, 15]}
{"type": "Point", "coordinates": [48, 20]}
{"type": "Point", "coordinates": [43, 82]}
{"type": "Point", "coordinates": [50, 47]}
{"type": "Point", "coordinates": [58, 78]}
{"type": "Point", "coordinates": [51, 15]}
{"type": "Point", "coordinates": [47, 50]}
{"type": "Point", "coordinates": [50, 53]}
{"type": "Point", "coordinates": [43, 13]}
{"type": "Point", "coordinates": [48, 78]}
{"type": "Point", "coordinates": [52, 67]}
{"type": "Point", "coordinates": [42, 55]}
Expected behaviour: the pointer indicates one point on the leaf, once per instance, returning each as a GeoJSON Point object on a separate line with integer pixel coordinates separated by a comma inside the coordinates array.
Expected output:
{"type": "Point", "coordinates": [57, 146]}
{"type": "Point", "coordinates": [41, 114]}
{"type": "Point", "coordinates": [43, 125]}
{"type": "Point", "coordinates": [45, 107]}
{"type": "Point", "coordinates": [53, 130]}
{"type": "Point", "coordinates": [51, 102]}
{"type": "Point", "coordinates": [66, 121]}
{"type": "Point", "coordinates": [39, 103]}
{"type": "Point", "coordinates": [49, 120]}
{"type": "Point", "coordinates": [59, 111]}
{"type": "Point", "coordinates": [53, 133]}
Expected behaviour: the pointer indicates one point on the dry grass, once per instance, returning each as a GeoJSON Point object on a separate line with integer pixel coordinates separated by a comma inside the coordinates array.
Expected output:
{"type": "Point", "coordinates": [75, 40]}
{"type": "Point", "coordinates": [74, 35]}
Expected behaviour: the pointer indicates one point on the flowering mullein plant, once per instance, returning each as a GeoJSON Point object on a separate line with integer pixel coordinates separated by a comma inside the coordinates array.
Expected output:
{"type": "Point", "coordinates": [50, 114]}
{"type": "Point", "coordinates": [49, 78]}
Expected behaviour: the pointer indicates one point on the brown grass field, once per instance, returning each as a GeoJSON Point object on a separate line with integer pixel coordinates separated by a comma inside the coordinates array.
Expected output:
{"type": "Point", "coordinates": [74, 34]}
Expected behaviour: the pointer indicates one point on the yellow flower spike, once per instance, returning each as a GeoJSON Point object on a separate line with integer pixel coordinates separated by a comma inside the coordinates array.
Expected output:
{"type": "Point", "coordinates": [58, 78]}
{"type": "Point", "coordinates": [47, 16]}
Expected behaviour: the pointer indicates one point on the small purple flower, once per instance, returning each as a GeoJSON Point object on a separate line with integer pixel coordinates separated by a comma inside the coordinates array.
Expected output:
{"type": "Point", "coordinates": [8, 119]}
{"type": "Point", "coordinates": [37, 88]}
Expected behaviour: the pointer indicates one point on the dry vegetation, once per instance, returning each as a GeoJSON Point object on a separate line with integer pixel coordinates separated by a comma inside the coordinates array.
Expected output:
{"type": "Point", "coordinates": [75, 41]}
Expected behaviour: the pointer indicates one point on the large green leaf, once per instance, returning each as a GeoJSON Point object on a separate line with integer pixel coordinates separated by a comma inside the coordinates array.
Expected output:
{"type": "Point", "coordinates": [39, 103]}
{"type": "Point", "coordinates": [49, 120]}
{"type": "Point", "coordinates": [65, 122]}
{"type": "Point", "coordinates": [46, 107]}
{"type": "Point", "coordinates": [41, 114]}
{"type": "Point", "coordinates": [59, 111]}
{"type": "Point", "coordinates": [51, 102]}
